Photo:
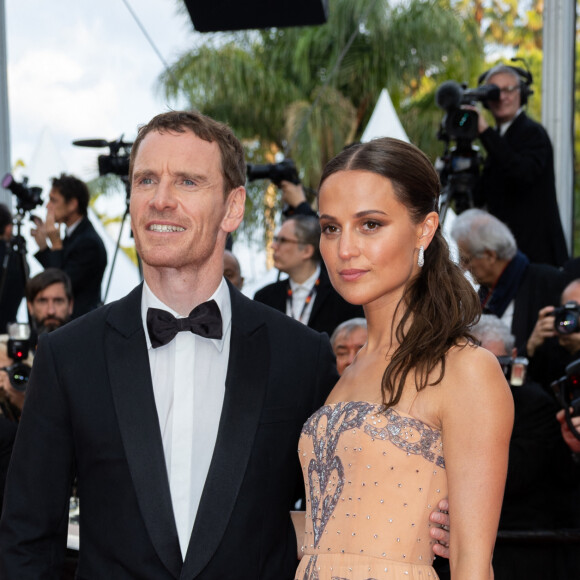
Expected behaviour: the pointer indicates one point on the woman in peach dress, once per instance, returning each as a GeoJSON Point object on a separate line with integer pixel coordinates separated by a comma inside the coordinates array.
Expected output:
{"type": "Point", "coordinates": [422, 413]}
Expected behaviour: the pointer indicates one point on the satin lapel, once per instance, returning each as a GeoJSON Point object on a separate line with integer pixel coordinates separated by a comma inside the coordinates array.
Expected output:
{"type": "Point", "coordinates": [130, 378]}
{"type": "Point", "coordinates": [246, 384]}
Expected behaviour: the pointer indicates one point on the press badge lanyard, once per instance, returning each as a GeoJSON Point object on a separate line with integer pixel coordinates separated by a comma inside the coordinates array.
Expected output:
{"type": "Point", "coordinates": [308, 300]}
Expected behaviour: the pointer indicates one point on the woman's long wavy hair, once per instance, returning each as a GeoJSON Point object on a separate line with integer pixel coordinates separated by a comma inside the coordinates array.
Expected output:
{"type": "Point", "coordinates": [439, 305]}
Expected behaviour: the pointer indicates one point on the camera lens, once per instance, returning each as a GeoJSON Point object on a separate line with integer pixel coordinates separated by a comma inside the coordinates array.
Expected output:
{"type": "Point", "coordinates": [567, 322]}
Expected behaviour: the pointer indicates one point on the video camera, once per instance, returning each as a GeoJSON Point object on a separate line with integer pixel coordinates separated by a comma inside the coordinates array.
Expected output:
{"type": "Point", "coordinates": [459, 166]}
{"type": "Point", "coordinates": [567, 391]}
{"type": "Point", "coordinates": [275, 172]}
{"type": "Point", "coordinates": [27, 197]}
{"type": "Point", "coordinates": [567, 318]}
{"type": "Point", "coordinates": [117, 161]}
{"type": "Point", "coordinates": [18, 348]}
{"type": "Point", "coordinates": [460, 124]}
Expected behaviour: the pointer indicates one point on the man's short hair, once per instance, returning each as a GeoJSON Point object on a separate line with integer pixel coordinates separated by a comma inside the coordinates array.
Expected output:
{"type": "Point", "coordinates": [231, 151]}
{"type": "Point", "coordinates": [347, 328]}
{"type": "Point", "coordinates": [481, 231]}
{"type": "Point", "coordinates": [5, 218]}
{"type": "Point", "coordinates": [490, 327]}
{"type": "Point", "coordinates": [45, 279]}
{"type": "Point", "coordinates": [502, 69]}
{"type": "Point", "coordinates": [71, 187]}
{"type": "Point", "coordinates": [307, 229]}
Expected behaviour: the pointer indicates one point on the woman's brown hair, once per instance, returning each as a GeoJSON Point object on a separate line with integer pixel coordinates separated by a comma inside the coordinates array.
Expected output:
{"type": "Point", "coordinates": [440, 305]}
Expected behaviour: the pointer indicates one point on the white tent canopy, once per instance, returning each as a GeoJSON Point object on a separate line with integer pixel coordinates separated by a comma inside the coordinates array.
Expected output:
{"type": "Point", "coordinates": [384, 121]}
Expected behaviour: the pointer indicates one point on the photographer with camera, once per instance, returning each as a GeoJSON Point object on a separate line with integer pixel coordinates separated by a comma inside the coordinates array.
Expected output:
{"type": "Point", "coordinates": [81, 254]}
{"type": "Point", "coordinates": [542, 495]}
{"type": "Point", "coordinates": [517, 183]}
{"type": "Point", "coordinates": [50, 303]}
{"type": "Point", "coordinates": [555, 340]}
{"type": "Point", "coordinates": [510, 286]}
{"type": "Point", "coordinates": [13, 271]}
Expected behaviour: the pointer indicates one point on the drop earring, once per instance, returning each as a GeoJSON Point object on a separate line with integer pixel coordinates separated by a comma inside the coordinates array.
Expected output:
{"type": "Point", "coordinates": [421, 257]}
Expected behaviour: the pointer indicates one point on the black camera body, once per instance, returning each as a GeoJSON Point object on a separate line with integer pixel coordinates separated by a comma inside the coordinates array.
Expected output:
{"type": "Point", "coordinates": [567, 391]}
{"type": "Point", "coordinates": [461, 124]}
{"type": "Point", "coordinates": [567, 318]}
{"type": "Point", "coordinates": [275, 172]}
{"type": "Point", "coordinates": [28, 197]}
{"type": "Point", "coordinates": [18, 371]}
{"type": "Point", "coordinates": [114, 163]}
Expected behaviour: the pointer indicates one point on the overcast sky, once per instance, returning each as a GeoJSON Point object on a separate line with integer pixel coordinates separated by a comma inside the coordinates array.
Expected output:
{"type": "Point", "coordinates": [83, 69]}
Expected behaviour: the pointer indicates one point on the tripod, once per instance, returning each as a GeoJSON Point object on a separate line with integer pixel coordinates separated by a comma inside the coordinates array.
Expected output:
{"type": "Point", "coordinates": [125, 180]}
{"type": "Point", "coordinates": [15, 256]}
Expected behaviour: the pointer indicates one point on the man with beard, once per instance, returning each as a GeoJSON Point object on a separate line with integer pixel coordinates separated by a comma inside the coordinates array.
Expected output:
{"type": "Point", "coordinates": [49, 299]}
{"type": "Point", "coordinates": [50, 303]}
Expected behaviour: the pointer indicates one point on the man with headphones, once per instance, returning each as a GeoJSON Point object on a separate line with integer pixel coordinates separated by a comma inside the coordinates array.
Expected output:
{"type": "Point", "coordinates": [517, 184]}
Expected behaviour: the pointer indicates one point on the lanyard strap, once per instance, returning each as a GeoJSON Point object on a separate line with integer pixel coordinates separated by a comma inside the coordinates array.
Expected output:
{"type": "Point", "coordinates": [308, 300]}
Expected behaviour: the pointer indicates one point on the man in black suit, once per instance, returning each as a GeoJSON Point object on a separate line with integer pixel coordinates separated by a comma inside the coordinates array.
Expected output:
{"type": "Point", "coordinates": [542, 494]}
{"type": "Point", "coordinates": [185, 452]}
{"type": "Point", "coordinates": [517, 184]}
{"type": "Point", "coordinates": [307, 294]}
{"type": "Point", "coordinates": [81, 254]}
{"type": "Point", "coordinates": [510, 287]}
{"type": "Point", "coordinates": [13, 271]}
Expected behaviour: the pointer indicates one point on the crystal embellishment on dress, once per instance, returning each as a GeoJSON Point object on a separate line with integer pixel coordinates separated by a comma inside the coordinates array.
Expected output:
{"type": "Point", "coordinates": [397, 431]}
{"type": "Point", "coordinates": [325, 470]}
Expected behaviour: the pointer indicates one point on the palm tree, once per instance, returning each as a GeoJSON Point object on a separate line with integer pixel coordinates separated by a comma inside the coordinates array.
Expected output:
{"type": "Point", "coordinates": [306, 92]}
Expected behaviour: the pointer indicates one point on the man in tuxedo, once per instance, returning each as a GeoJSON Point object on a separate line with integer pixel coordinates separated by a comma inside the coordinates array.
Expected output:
{"type": "Point", "coordinates": [81, 254]}
{"type": "Point", "coordinates": [178, 407]}
{"type": "Point", "coordinates": [185, 452]}
{"type": "Point", "coordinates": [517, 184]}
{"type": "Point", "coordinates": [307, 294]}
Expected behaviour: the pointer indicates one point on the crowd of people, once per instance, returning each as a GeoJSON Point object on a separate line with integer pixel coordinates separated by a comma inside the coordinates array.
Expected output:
{"type": "Point", "coordinates": [420, 395]}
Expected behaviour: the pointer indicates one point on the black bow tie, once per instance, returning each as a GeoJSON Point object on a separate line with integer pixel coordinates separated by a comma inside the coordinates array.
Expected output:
{"type": "Point", "coordinates": [205, 320]}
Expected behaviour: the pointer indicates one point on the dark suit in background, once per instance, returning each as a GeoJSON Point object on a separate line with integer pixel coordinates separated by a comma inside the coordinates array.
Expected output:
{"type": "Point", "coordinates": [329, 309]}
{"type": "Point", "coordinates": [84, 258]}
{"type": "Point", "coordinates": [542, 493]}
{"type": "Point", "coordinates": [14, 271]}
{"type": "Point", "coordinates": [518, 187]}
{"type": "Point", "coordinates": [91, 411]}
{"type": "Point", "coordinates": [540, 286]}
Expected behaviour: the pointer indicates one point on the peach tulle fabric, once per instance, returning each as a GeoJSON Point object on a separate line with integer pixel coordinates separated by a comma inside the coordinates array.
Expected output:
{"type": "Point", "coordinates": [372, 478]}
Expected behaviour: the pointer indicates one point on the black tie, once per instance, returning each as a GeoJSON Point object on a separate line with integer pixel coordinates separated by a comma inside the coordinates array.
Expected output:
{"type": "Point", "coordinates": [205, 320]}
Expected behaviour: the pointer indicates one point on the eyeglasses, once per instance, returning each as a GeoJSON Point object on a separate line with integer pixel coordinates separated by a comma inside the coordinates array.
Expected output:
{"type": "Point", "coordinates": [465, 259]}
{"type": "Point", "coordinates": [282, 240]}
{"type": "Point", "coordinates": [509, 90]}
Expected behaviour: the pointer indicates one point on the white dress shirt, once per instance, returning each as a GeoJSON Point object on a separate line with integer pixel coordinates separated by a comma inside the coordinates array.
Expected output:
{"type": "Point", "coordinates": [189, 376]}
{"type": "Point", "coordinates": [295, 308]}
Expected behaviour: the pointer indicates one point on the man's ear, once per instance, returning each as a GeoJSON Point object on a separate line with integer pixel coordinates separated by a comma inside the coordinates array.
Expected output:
{"type": "Point", "coordinates": [235, 204]}
{"type": "Point", "coordinates": [427, 229]}
{"type": "Point", "coordinates": [73, 204]}
{"type": "Point", "coordinates": [308, 250]}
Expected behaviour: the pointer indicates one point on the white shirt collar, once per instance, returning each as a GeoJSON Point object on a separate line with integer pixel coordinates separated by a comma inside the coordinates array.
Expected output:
{"type": "Point", "coordinates": [505, 126]}
{"type": "Point", "coordinates": [70, 229]}
{"type": "Point", "coordinates": [221, 296]}
{"type": "Point", "coordinates": [308, 283]}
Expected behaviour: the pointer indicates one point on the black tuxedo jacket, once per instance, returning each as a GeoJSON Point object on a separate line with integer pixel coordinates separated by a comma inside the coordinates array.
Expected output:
{"type": "Point", "coordinates": [328, 310]}
{"type": "Point", "coordinates": [90, 411]}
{"type": "Point", "coordinates": [84, 258]}
{"type": "Point", "coordinates": [518, 187]}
